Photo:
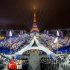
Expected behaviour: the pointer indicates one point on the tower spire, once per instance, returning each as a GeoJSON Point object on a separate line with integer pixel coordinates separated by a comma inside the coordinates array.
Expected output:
{"type": "Point", "coordinates": [34, 27]}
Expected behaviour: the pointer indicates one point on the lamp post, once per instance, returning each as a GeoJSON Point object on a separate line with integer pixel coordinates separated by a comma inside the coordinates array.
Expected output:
{"type": "Point", "coordinates": [10, 35]}
{"type": "Point", "coordinates": [57, 40]}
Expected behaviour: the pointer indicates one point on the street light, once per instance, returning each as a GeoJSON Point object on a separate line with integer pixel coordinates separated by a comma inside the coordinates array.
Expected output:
{"type": "Point", "coordinates": [58, 34]}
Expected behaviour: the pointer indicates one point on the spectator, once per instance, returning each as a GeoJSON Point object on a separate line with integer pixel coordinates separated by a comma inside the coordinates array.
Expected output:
{"type": "Point", "coordinates": [12, 65]}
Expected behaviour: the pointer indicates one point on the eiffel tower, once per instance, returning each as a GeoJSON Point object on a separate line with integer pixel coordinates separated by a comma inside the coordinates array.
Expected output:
{"type": "Point", "coordinates": [34, 27]}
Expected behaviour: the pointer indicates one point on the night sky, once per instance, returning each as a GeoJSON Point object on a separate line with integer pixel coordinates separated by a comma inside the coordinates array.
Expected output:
{"type": "Point", "coordinates": [18, 14]}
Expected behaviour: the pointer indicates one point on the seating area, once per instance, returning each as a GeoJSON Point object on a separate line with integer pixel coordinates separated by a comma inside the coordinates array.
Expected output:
{"type": "Point", "coordinates": [49, 41]}
{"type": "Point", "coordinates": [12, 44]}
{"type": "Point", "coordinates": [65, 49]}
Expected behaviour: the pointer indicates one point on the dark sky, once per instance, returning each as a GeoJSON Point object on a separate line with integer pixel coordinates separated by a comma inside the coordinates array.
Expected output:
{"type": "Point", "coordinates": [18, 14]}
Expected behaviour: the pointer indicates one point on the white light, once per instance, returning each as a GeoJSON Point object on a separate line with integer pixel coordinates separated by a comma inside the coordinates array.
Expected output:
{"type": "Point", "coordinates": [10, 33]}
{"type": "Point", "coordinates": [56, 40]}
{"type": "Point", "coordinates": [34, 37]}
{"type": "Point", "coordinates": [58, 33]}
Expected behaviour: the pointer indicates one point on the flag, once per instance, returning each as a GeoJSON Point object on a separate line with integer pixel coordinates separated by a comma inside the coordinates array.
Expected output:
{"type": "Point", "coordinates": [10, 33]}
{"type": "Point", "coordinates": [56, 40]}
{"type": "Point", "coordinates": [58, 34]}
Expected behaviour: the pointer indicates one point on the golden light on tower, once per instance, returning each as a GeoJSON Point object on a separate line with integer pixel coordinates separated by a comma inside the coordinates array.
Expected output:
{"type": "Point", "coordinates": [34, 7]}
{"type": "Point", "coordinates": [34, 27]}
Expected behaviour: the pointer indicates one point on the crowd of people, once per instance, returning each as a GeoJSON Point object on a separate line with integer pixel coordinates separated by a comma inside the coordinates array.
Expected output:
{"type": "Point", "coordinates": [16, 42]}
{"type": "Point", "coordinates": [12, 64]}
{"type": "Point", "coordinates": [13, 44]}
{"type": "Point", "coordinates": [23, 64]}
{"type": "Point", "coordinates": [49, 41]}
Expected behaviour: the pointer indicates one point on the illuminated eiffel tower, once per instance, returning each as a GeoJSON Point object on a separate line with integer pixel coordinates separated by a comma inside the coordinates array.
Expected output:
{"type": "Point", "coordinates": [34, 27]}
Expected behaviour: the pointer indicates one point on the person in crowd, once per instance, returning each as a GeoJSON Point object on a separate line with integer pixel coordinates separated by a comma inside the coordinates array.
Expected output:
{"type": "Point", "coordinates": [1, 63]}
{"type": "Point", "coordinates": [12, 64]}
